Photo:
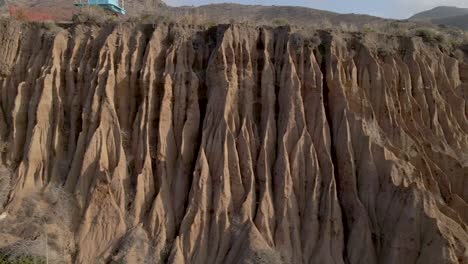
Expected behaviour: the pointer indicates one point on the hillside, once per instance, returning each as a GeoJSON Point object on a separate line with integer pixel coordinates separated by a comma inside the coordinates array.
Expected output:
{"type": "Point", "coordinates": [218, 13]}
{"type": "Point", "coordinates": [129, 143]}
{"type": "Point", "coordinates": [64, 9]}
{"type": "Point", "coordinates": [302, 16]}
{"type": "Point", "coordinates": [440, 12]}
{"type": "Point", "coordinates": [456, 21]}
{"type": "Point", "coordinates": [444, 15]}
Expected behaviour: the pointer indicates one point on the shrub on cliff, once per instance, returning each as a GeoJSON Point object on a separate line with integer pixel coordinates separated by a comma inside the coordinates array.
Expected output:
{"type": "Point", "coordinates": [51, 27]}
{"type": "Point", "coordinates": [5, 259]}
{"type": "Point", "coordinates": [264, 257]}
{"type": "Point", "coordinates": [94, 15]}
{"type": "Point", "coordinates": [5, 186]}
{"type": "Point", "coordinates": [430, 35]}
{"type": "Point", "coordinates": [150, 17]}
{"type": "Point", "coordinates": [280, 22]}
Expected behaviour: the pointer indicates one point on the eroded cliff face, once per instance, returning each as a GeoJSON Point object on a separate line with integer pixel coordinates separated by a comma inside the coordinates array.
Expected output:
{"type": "Point", "coordinates": [238, 145]}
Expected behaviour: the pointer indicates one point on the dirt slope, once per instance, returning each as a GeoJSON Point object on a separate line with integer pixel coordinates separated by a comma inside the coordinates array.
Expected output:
{"type": "Point", "coordinates": [236, 144]}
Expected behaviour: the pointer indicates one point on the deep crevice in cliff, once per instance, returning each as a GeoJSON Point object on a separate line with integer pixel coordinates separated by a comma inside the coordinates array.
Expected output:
{"type": "Point", "coordinates": [333, 150]}
{"type": "Point", "coordinates": [257, 110]}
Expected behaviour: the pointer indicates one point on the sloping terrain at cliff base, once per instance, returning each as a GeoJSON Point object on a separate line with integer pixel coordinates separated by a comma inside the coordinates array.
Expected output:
{"type": "Point", "coordinates": [232, 144]}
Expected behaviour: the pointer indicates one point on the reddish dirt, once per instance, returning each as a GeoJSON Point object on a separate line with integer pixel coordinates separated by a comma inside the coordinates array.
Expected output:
{"type": "Point", "coordinates": [59, 10]}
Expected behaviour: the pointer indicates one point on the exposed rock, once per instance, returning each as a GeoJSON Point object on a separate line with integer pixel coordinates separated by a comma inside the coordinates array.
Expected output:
{"type": "Point", "coordinates": [240, 145]}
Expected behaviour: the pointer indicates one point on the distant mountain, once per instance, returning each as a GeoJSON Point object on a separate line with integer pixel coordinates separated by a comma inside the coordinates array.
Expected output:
{"type": "Point", "coordinates": [456, 21]}
{"type": "Point", "coordinates": [445, 15]}
{"type": "Point", "coordinates": [440, 12]}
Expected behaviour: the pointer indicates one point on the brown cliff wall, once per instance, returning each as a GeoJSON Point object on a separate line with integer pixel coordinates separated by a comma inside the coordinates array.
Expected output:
{"type": "Point", "coordinates": [234, 144]}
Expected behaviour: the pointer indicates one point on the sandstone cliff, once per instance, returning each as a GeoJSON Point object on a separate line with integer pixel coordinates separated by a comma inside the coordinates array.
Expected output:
{"type": "Point", "coordinates": [235, 144]}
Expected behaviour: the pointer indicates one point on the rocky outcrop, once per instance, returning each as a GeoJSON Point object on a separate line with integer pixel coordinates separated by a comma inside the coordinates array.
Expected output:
{"type": "Point", "coordinates": [236, 144]}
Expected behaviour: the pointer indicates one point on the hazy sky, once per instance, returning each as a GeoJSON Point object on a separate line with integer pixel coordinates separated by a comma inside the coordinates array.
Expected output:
{"type": "Point", "coordinates": [383, 8]}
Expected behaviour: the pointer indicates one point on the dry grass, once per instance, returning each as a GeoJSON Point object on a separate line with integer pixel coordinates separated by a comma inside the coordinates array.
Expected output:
{"type": "Point", "coordinates": [5, 186]}
{"type": "Point", "coordinates": [264, 257]}
{"type": "Point", "coordinates": [42, 226]}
